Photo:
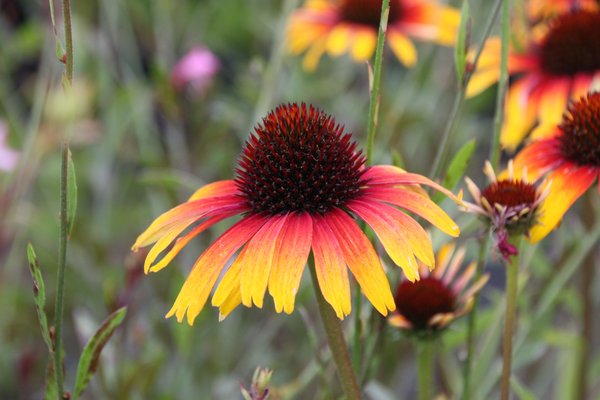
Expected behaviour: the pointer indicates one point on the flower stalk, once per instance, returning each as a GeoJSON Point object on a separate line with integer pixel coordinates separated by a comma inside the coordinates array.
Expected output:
{"type": "Point", "coordinates": [62, 261]}
{"type": "Point", "coordinates": [425, 368]}
{"type": "Point", "coordinates": [512, 273]}
{"type": "Point", "coordinates": [68, 41]}
{"type": "Point", "coordinates": [337, 343]}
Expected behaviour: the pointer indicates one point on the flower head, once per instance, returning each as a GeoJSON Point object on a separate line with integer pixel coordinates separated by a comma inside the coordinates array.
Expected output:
{"type": "Point", "coordinates": [196, 68]}
{"type": "Point", "coordinates": [429, 305]}
{"type": "Point", "coordinates": [299, 184]}
{"type": "Point", "coordinates": [8, 157]}
{"type": "Point", "coordinates": [568, 154]}
{"type": "Point", "coordinates": [509, 205]}
{"type": "Point", "coordinates": [560, 60]}
{"type": "Point", "coordinates": [340, 26]}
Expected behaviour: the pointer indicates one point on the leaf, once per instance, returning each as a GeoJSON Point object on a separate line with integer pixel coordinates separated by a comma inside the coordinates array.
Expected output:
{"type": "Point", "coordinates": [90, 357]}
{"type": "Point", "coordinates": [457, 168]}
{"type": "Point", "coordinates": [462, 42]}
{"type": "Point", "coordinates": [71, 193]}
{"type": "Point", "coordinates": [39, 295]}
{"type": "Point", "coordinates": [521, 390]}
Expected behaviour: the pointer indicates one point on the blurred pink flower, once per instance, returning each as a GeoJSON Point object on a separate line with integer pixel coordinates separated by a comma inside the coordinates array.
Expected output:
{"type": "Point", "coordinates": [8, 157]}
{"type": "Point", "coordinates": [196, 68]}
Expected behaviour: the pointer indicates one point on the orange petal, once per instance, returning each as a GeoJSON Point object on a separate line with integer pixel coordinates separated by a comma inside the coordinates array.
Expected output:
{"type": "Point", "coordinates": [443, 259]}
{"type": "Point", "coordinates": [553, 100]}
{"type": "Point", "coordinates": [149, 265]}
{"type": "Point", "coordinates": [417, 204]}
{"type": "Point", "coordinates": [539, 158]}
{"type": "Point", "coordinates": [362, 260]}
{"type": "Point", "coordinates": [219, 188]}
{"type": "Point", "coordinates": [363, 44]}
{"type": "Point", "coordinates": [289, 261]}
{"type": "Point", "coordinates": [230, 281]}
{"type": "Point", "coordinates": [338, 40]}
{"type": "Point", "coordinates": [258, 259]}
{"type": "Point", "coordinates": [185, 213]}
{"type": "Point", "coordinates": [520, 113]}
{"type": "Point", "coordinates": [399, 321]}
{"type": "Point", "coordinates": [569, 182]}
{"type": "Point", "coordinates": [391, 236]}
{"type": "Point", "coordinates": [332, 273]}
{"type": "Point", "coordinates": [390, 175]}
{"type": "Point", "coordinates": [206, 270]}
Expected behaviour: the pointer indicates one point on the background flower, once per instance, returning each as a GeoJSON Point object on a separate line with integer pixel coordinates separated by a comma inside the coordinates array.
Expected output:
{"type": "Point", "coordinates": [196, 68]}
{"type": "Point", "coordinates": [8, 157]}
{"type": "Point", "coordinates": [560, 60]}
{"type": "Point", "coordinates": [340, 26]}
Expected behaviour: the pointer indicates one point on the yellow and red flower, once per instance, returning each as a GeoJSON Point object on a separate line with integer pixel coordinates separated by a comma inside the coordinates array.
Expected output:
{"type": "Point", "coordinates": [539, 10]}
{"type": "Point", "coordinates": [510, 205]}
{"type": "Point", "coordinates": [569, 155]}
{"type": "Point", "coordinates": [429, 305]}
{"type": "Point", "coordinates": [559, 61]}
{"type": "Point", "coordinates": [299, 184]}
{"type": "Point", "coordinates": [340, 26]}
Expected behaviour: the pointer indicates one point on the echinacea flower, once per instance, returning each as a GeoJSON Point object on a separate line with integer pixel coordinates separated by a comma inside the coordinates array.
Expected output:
{"type": "Point", "coordinates": [299, 183]}
{"type": "Point", "coordinates": [538, 10]}
{"type": "Point", "coordinates": [510, 205]}
{"type": "Point", "coordinates": [8, 157]}
{"type": "Point", "coordinates": [196, 69]}
{"type": "Point", "coordinates": [340, 26]}
{"type": "Point", "coordinates": [560, 61]}
{"type": "Point", "coordinates": [568, 154]}
{"type": "Point", "coordinates": [429, 305]}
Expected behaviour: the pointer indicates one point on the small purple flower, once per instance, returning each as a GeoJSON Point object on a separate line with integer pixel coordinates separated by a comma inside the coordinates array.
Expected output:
{"type": "Point", "coordinates": [8, 157]}
{"type": "Point", "coordinates": [197, 69]}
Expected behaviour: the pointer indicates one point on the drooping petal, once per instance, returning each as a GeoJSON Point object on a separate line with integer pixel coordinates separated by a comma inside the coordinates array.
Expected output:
{"type": "Point", "coordinates": [363, 44]}
{"type": "Point", "coordinates": [399, 321]}
{"type": "Point", "coordinates": [390, 175]}
{"type": "Point", "coordinates": [330, 266]}
{"type": "Point", "coordinates": [390, 235]}
{"type": "Point", "coordinates": [204, 273]}
{"type": "Point", "coordinates": [569, 182]}
{"type": "Point", "coordinates": [184, 215]}
{"type": "Point", "coordinates": [258, 259]}
{"type": "Point", "coordinates": [553, 100]}
{"type": "Point", "coordinates": [230, 281]}
{"type": "Point", "coordinates": [362, 260]}
{"type": "Point", "coordinates": [464, 278]}
{"type": "Point", "coordinates": [149, 265]}
{"type": "Point", "coordinates": [521, 112]}
{"type": "Point", "coordinates": [443, 259]}
{"type": "Point", "coordinates": [289, 261]}
{"type": "Point", "coordinates": [417, 204]}
{"type": "Point", "coordinates": [338, 40]}
{"type": "Point", "coordinates": [402, 47]}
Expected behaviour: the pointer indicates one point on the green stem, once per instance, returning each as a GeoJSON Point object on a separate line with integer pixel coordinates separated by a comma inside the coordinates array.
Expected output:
{"type": "Point", "coordinates": [502, 84]}
{"type": "Point", "coordinates": [337, 343]}
{"type": "Point", "coordinates": [472, 320]}
{"type": "Point", "coordinates": [425, 368]}
{"type": "Point", "coordinates": [356, 337]}
{"type": "Point", "coordinates": [68, 40]}
{"type": "Point", "coordinates": [512, 273]}
{"type": "Point", "coordinates": [374, 102]}
{"type": "Point", "coordinates": [62, 260]}
{"type": "Point", "coordinates": [459, 98]}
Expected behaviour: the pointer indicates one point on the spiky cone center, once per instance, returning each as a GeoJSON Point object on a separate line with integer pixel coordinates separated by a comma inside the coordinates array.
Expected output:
{"type": "Point", "coordinates": [299, 159]}
{"type": "Point", "coordinates": [571, 45]}
{"type": "Point", "coordinates": [511, 204]}
{"type": "Point", "coordinates": [580, 139]}
{"type": "Point", "coordinates": [368, 12]}
{"type": "Point", "coordinates": [418, 302]}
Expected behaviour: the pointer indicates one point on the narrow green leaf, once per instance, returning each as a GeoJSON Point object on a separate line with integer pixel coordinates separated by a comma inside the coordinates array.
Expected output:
{"type": "Point", "coordinates": [457, 168]}
{"type": "Point", "coordinates": [39, 295]}
{"type": "Point", "coordinates": [90, 357]}
{"type": "Point", "coordinates": [522, 392]}
{"type": "Point", "coordinates": [71, 193]}
{"type": "Point", "coordinates": [462, 41]}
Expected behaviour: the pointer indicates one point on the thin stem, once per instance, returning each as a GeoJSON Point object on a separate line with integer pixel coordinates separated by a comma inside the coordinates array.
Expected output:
{"type": "Point", "coordinates": [512, 273]}
{"type": "Point", "coordinates": [68, 40]}
{"type": "Point", "coordinates": [374, 103]}
{"type": "Point", "coordinates": [425, 368]}
{"type": "Point", "coordinates": [337, 343]}
{"type": "Point", "coordinates": [472, 319]}
{"type": "Point", "coordinates": [459, 98]}
{"type": "Point", "coordinates": [356, 337]}
{"type": "Point", "coordinates": [62, 260]}
{"type": "Point", "coordinates": [502, 84]}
